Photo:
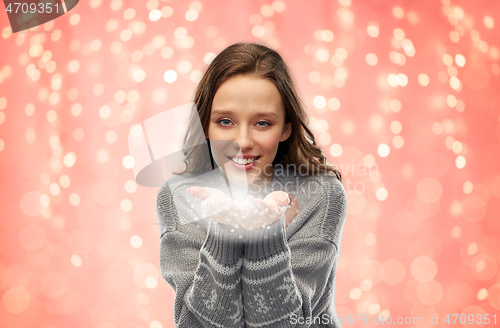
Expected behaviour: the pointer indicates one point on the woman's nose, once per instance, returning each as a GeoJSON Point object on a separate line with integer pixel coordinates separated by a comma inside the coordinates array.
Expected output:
{"type": "Point", "coordinates": [243, 140]}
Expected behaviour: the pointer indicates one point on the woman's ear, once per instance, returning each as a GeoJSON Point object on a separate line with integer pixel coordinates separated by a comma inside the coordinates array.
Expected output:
{"type": "Point", "coordinates": [287, 131]}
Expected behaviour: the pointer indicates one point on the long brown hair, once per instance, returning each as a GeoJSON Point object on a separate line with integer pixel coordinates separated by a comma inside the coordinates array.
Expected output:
{"type": "Point", "coordinates": [299, 149]}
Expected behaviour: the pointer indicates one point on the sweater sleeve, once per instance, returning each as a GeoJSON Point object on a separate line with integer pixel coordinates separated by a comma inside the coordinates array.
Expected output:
{"type": "Point", "coordinates": [290, 283]}
{"type": "Point", "coordinates": [205, 275]}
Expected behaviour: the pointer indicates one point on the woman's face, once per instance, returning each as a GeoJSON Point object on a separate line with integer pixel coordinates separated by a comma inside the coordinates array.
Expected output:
{"type": "Point", "coordinates": [249, 120]}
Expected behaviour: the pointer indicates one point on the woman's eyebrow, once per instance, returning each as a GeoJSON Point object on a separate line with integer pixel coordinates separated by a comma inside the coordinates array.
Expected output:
{"type": "Point", "coordinates": [230, 112]}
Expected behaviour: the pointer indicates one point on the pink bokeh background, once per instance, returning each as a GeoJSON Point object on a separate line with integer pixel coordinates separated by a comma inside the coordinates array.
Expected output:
{"type": "Point", "coordinates": [408, 89]}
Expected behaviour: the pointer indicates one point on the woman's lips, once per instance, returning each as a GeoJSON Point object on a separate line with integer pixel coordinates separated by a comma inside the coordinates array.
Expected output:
{"type": "Point", "coordinates": [244, 166]}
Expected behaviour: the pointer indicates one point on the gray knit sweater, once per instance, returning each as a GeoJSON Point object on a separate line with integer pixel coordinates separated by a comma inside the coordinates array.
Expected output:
{"type": "Point", "coordinates": [275, 277]}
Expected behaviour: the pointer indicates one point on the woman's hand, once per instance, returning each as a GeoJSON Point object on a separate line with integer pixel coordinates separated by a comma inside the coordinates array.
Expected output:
{"type": "Point", "coordinates": [250, 213]}
{"type": "Point", "coordinates": [215, 204]}
{"type": "Point", "coordinates": [281, 198]}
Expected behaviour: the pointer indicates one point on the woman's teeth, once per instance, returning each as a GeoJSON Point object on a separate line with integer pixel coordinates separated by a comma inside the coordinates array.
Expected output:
{"type": "Point", "coordinates": [243, 161]}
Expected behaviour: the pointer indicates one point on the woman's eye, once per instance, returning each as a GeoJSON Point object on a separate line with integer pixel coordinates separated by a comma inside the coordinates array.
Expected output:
{"type": "Point", "coordinates": [224, 120]}
{"type": "Point", "coordinates": [265, 124]}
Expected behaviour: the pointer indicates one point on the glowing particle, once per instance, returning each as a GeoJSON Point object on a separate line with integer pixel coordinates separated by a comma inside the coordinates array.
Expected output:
{"type": "Point", "coordinates": [383, 150]}
{"type": "Point", "coordinates": [155, 15]}
{"type": "Point", "coordinates": [455, 83]}
{"type": "Point", "coordinates": [482, 294]}
{"type": "Point", "coordinates": [128, 162]}
{"type": "Point", "coordinates": [355, 293]}
{"type": "Point", "coordinates": [180, 33]}
{"type": "Point", "coordinates": [51, 116]}
{"type": "Point", "coordinates": [258, 31]}
{"type": "Point", "coordinates": [76, 260]}
{"type": "Point", "coordinates": [78, 134]}
{"type": "Point", "coordinates": [489, 22]}
{"type": "Point", "coordinates": [69, 159]}
{"type": "Point", "coordinates": [336, 150]}
{"type": "Point", "coordinates": [111, 136]}
{"type": "Point", "coordinates": [373, 30]}
{"type": "Point", "coordinates": [322, 55]}
{"type": "Point", "coordinates": [111, 25]}
{"type": "Point", "coordinates": [191, 15]}
{"type": "Point", "coordinates": [76, 109]}
{"type": "Point", "coordinates": [456, 232]}
{"type": "Point", "coordinates": [447, 60]}
{"type": "Point", "coordinates": [105, 112]}
{"type": "Point", "coordinates": [396, 127]}
{"type": "Point", "coordinates": [74, 199]}
{"type": "Point", "coordinates": [460, 162]}
{"type": "Point", "coordinates": [64, 181]}
{"type": "Point", "coordinates": [423, 269]}
{"type": "Point", "coordinates": [126, 205]}
{"type": "Point", "coordinates": [73, 66]}
{"type": "Point", "coordinates": [333, 104]}
{"type": "Point", "coordinates": [74, 19]}
{"type": "Point", "coordinates": [395, 105]}
{"type": "Point", "coordinates": [129, 14]}
{"type": "Point", "coordinates": [451, 101]}
{"type": "Point", "coordinates": [402, 79]}
{"type": "Point", "coordinates": [116, 5]}
{"type": "Point", "coordinates": [437, 128]}
{"type": "Point", "coordinates": [399, 34]}
{"type": "Point", "coordinates": [483, 46]}
{"type": "Point", "coordinates": [326, 35]}
{"type": "Point", "coordinates": [314, 77]}
{"type": "Point", "coordinates": [393, 80]}
{"type": "Point", "coordinates": [166, 11]}
{"type": "Point", "coordinates": [458, 12]}
{"type": "Point", "coordinates": [136, 241]}
{"type": "Point", "coordinates": [170, 76]}
{"type": "Point", "coordinates": [266, 10]}
{"type": "Point", "coordinates": [102, 155]}
{"type": "Point", "coordinates": [371, 59]}
{"type": "Point", "coordinates": [167, 53]}
{"type": "Point", "coordinates": [184, 66]}
{"type": "Point", "coordinates": [130, 186]}
{"type": "Point", "coordinates": [398, 142]}
{"type": "Point", "coordinates": [321, 125]}
{"type": "Point", "coordinates": [278, 6]}
{"type": "Point", "coordinates": [423, 79]}
{"type": "Point", "coordinates": [319, 102]}
{"type": "Point", "coordinates": [125, 35]}
{"type": "Point", "coordinates": [454, 36]}
{"type": "Point", "coordinates": [154, 323]}
{"type": "Point", "coordinates": [139, 75]}
{"type": "Point", "coordinates": [381, 194]}
{"type": "Point", "coordinates": [398, 12]}
{"type": "Point", "coordinates": [341, 53]}
{"type": "Point", "coordinates": [6, 32]}
{"type": "Point", "coordinates": [16, 300]}
{"type": "Point", "coordinates": [151, 282]}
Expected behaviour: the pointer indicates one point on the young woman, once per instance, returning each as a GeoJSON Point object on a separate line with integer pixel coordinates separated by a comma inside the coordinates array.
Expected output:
{"type": "Point", "coordinates": [268, 260]}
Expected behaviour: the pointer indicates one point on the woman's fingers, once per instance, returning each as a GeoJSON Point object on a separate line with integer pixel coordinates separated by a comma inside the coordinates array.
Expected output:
{"type": "Point", "coordinates": [200, 192]}
{"type": "Point", "coordinates": [280, 197]}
